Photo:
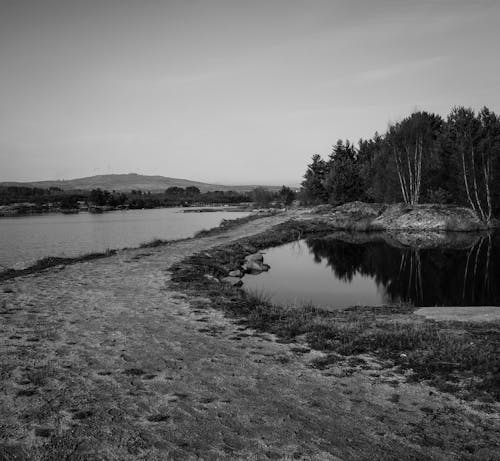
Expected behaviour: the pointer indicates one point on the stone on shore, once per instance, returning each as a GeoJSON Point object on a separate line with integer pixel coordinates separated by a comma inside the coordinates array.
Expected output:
{"type": "Point", "coordinates": [211, 278]}
{"type": "Point", "coordinates": [255, 267]}
{"type": "Point", "coordinates": [233, 281]}
{"type": "Point", "coordinates": [256, 257]}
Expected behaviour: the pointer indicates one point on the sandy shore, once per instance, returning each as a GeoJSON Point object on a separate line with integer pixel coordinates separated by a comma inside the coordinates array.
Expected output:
{"type": "Point", "coordinates": [102, 360]}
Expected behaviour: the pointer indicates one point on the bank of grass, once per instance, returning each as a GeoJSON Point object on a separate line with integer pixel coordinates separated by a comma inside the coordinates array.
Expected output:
{"type": "Point", "coordinates": [53, 261]}
{"type": "Point", "coordinates": [227, 224]}
{"type": "Point", "coordinates": [461, 358]}
{"type": "Point", "coordinates": [157, 243]}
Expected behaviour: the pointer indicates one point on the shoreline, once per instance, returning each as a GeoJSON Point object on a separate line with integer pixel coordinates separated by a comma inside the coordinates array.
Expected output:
{"type": "Point", "coordinates": [183, 209]}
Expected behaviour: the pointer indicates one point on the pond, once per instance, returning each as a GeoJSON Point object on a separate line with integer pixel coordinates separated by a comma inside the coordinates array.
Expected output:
{"type": "Point", "coordinates": [25, 239]}
{"type": "Point", "coordinates": [338, 272]}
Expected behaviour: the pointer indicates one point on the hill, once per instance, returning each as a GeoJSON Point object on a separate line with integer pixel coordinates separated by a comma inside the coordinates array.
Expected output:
{"type": "Point", "coordinates": [127, 182]}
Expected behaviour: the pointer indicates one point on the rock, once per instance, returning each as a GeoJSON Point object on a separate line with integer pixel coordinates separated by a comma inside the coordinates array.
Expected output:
{"type": "Point", "coordinates": [211, 278]}
{"type": "Point", "coordinates": [256, 257]}
{"type": "Point", "coordinates": [236, 273]}
{"type": "Point", "coordinates": [233, 281]}
{"type": "Point", "coordinates": [254, 264]}
{"type": "Point", "coordinates": [255, 267]}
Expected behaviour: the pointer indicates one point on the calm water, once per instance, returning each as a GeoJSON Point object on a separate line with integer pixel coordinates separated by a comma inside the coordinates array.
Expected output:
{"type": "Point", "coordinates": [28, 238]}
{"type": "Point", "coordinates": [332, 273]}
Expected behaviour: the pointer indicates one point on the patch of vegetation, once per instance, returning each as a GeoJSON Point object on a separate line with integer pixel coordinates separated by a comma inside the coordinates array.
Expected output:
{"type": "Point", "coordinates": [52, 261]}
{"type": "Point", "coordinates": [227, 224]}
{"type": "Point", "coordinates": [155, 243]}
{"type": "Point", "coordinates": [456, 357]}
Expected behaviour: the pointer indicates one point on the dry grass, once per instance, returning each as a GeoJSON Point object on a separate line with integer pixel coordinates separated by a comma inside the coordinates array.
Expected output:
{"type": "Point", "coordinates": [52, 261]}
{"type": "Point", "coordinates": [227, 224]}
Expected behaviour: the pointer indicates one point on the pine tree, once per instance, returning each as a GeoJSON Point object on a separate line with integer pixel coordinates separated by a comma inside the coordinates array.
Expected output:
{"type": "Point", "coordinates": [313, 186]}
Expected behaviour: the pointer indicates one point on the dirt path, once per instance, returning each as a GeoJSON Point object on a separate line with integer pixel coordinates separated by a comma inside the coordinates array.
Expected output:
{"type": "Point", "coordinates": [101, 361]}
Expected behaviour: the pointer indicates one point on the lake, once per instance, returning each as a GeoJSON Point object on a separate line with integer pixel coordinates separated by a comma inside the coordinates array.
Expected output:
{"type": "Point", "coordinates": [25, 239]}
{"type": "Point", "coordinates": [334, 273]}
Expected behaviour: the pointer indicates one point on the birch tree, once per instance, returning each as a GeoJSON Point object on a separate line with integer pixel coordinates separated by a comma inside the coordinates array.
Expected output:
{"type": "Point", "coordinates": [476, 140]}
{"type": "Point", "coordinates": [411, 142]}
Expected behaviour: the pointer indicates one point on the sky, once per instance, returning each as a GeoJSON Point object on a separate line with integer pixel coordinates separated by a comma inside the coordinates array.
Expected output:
{"type": "Point", "coordinates": [227, 91]}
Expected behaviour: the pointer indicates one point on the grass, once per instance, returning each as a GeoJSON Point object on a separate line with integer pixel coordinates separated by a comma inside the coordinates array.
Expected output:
{"type": "Point", "coordinates": [461, 358]}
{"type": "Point", "coordinates": [155, 243]}
{"type": "Point", "coordinates": [347, 223]}
{"type": "Point", "coordinates": [454, 224]}
{"type": "Point", "coordinates": [52, 261]}
{"type": "Point", "coordinates": [227, 224]}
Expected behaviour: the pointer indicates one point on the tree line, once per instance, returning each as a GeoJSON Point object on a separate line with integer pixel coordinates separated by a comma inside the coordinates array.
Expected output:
{"type": "Point", "coordinates": [173, 196]}
{"type": "Point", "coordinates": [138, 199]}
{"type": "Point", "coordinates": [423, 158]}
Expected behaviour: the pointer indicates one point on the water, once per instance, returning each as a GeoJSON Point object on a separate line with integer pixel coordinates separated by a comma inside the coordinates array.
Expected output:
{"type": "Point", "coordinates": [25, 239]}
{"type": "Point", "coordinates": [334, 273]}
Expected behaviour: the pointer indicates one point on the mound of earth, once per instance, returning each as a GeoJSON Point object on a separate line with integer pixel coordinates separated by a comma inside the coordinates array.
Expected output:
{"type": "Point", "coordinates": [362, 216]}
{"type": "Point", "coordinates": [428, 217]}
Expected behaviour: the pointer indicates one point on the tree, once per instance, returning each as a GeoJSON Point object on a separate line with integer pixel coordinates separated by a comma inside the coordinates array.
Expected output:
{"type": "Point", "coordinates": [69, 202]}
{"type": "Point", "coordinates": [367, 153]}
{"type": "Point", "coordinates": [377, 171]}
{"type": "Point", "coordinates": [313, 186]}
{"type": "Point", "coordinates": [476, 141]}
{"type": "Point", "coordinates": [286, 196]}
{"type": "Point", "coordinates": [489, 148]}
{"type": "Point", "coordinates": [343, 182]}
{"type": "Point", "coordinates": [175, 191]}
{"type": "Point", "coordinates": [99, 197]}
{"type": "Point", "coordinates": [412, 140]}
{"type": "Point", "coordinates": [262, 197]}
{"type": "Point", "coordinates": [192, 190]}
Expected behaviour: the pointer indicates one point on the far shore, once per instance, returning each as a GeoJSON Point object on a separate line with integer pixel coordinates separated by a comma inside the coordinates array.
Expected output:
{"type": "Point", "coordinates": [15, 210]}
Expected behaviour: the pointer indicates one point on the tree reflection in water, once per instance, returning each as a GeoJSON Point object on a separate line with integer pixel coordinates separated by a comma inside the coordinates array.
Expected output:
{"type": "Point", "coordinates": [421, 276]}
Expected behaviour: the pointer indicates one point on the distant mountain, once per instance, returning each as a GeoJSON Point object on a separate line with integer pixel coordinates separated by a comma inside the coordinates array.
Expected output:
{"type": "Point", "coordinates": [127, 182]}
